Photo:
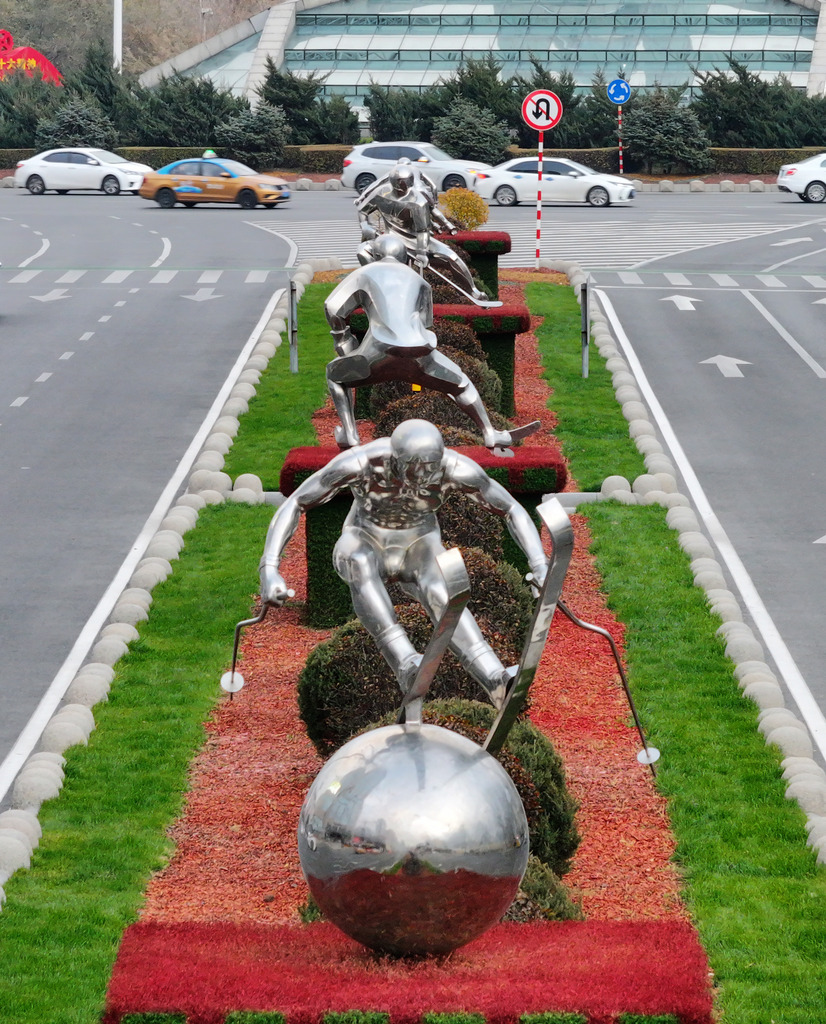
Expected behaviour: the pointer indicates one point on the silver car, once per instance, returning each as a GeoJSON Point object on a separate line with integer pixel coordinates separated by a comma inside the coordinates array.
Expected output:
{"type": "Point", "coordinates": [563, 181]}
{"type": "Point", "coordinates": [77, 167]}
{"type": "Point", "coordinates": [371, 160]}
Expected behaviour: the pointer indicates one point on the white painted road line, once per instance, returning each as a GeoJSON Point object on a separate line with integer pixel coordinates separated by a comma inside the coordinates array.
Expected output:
{"type": "Point", "coordinates": [794, 345]}
{"type": "Point", "coordinates": [25, 277]}
{"type": "Point", "coordinates": [811, 713]}
{"type": "Point", "coordinates": [70, 277]}
{"type": "Point", "coordinates": [163, 277]}
{"type": "Point", "coordinates": [117, 277]}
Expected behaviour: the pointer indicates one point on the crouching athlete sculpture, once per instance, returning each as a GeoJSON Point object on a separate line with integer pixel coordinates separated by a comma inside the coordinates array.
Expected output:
{"type": "Point", "coordinates": [398, 344]}
{"type": "Point", "coordinates": [391, 534]}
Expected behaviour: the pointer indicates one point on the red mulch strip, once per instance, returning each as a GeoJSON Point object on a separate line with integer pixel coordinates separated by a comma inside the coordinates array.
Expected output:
{"type": "Point", "coordinates": [600, 969]}
{"type": "Point", "coordinates": [230, 896]}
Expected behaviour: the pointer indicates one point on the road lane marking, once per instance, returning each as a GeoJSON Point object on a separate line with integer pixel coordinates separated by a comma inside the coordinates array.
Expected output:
{"type": "Point", "coordinates": [727, 365]}
{"type": "Point", "coordinates": [812, 714]}
{"type": "Point", "coordinates": [165, 251]}
{"type": "Point", "coordinates": [816, 282]}
{"type": "Point", "coordinates": [256, 277]}
{"type": "Point", "coordinates": [25, 277]}
{"type": "Point", "coordinates": [31, 732]}
{"type": "Point", "coordinates": [86, 336]}
{"type": "Point", "coordinates": [724, 280]}
{"type": "Point", "coordinates": [682, 302]}
{"type": "Point", "coordinates": [43, 377]}
{"type": "Point", "coordinates": [19, 401]}
{"type": "Point", "coordinates": [117, 277]}
{"type": "Point", "coordinates": [70, 277]}
{"type": "Point", "coordinates": [104, 319]}
{"type": "Point", "coordinates": [37, 255]}
{"type": "Point", "coordinates": [163, 277]}
{"type": "Point", "coordinates": [210, 277]}
{"type": "Point", "coordinates": [678, 279]}
{"type": "Point", "coordinates": [794, 259]}
{"type": "Point", "coordinates": [770, 280]}
{"type": "Point", "coordinates": [630, 278]}
{"type": "Point", "coordinates": [67, 355]}
{"type": "Point", "coordinates": [794, 345]}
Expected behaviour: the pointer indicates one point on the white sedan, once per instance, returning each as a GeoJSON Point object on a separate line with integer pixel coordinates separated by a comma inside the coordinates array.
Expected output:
{"type": "Point", "coordinates": [807, 179]}
{"type": "Point", "coordinates": [77, 167]}
{"type": "Point", "coordinates": [563, 181]}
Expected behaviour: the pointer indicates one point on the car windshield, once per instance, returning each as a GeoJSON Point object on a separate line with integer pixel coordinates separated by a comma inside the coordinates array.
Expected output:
{"type": "Point", "coordinates": [234, 167]}
{"type": "Point", "coordinates": [583, 168]}
{"type": "Point", "coordinates": [435, 153]}
{"type": "Point", "coordinates": [106, 157]}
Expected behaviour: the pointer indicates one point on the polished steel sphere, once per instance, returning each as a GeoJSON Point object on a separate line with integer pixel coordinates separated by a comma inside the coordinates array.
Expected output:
{"type": "Point", "coordinates": [413, 839]}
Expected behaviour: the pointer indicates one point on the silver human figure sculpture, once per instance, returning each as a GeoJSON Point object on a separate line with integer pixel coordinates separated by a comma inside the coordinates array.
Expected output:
{"type": "Point", "coordinates": [404, 202]}
{"type": "Point", "coordinates": [392, 534]}
{"type": "Point", "coordinates": [398, 344]}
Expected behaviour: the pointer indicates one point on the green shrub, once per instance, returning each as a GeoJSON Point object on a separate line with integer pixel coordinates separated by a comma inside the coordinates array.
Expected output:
{"type": "Point", "coordinates": [346, 683]}
{"type": "Point", "coordinates": [542, 897]}
{"type": "Point", "coordinates": [255, 137]}
{"type": "Point", "coordinates": [469, 133]}
{"type": "Point", "coordinates": [76, 123]}
{"type": "Point", "coordinates": [485, 380]}
{"type": "Point", "coordinates": [459, 336]}
{"type": "Point", "coordinates": [465, 524]}
{"type": "Point", "coordinates": [436, 407]}
{"type": "Point", "coordinates": [254, 1017]}
{"type": "Point", "coordinates": [468, 210]}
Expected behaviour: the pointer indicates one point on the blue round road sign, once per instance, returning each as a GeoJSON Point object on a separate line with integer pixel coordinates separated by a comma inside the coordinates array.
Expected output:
{"type": "Point", "coordinates": [619, 91]}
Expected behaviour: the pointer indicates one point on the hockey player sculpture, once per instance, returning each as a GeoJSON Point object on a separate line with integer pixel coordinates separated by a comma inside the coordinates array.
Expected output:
{"type": "Point", "coordinates": [398, 345]}
{"type": "Point", "coordinates": [412, 838]}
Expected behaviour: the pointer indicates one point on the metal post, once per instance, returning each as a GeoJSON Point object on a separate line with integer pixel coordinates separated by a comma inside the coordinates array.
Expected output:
{"type": "Point", "coordinates": [117, 35]}
{"type": "Point", "coordinates": [539, 195]}
{"type": "Point", "coordinates": [293, 328]}
{"type": "Point", "coordinates": [585, 331]}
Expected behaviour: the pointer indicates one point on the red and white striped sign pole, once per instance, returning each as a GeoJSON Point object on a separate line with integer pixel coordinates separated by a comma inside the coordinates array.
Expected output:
{"type": "Point", "coordinates": [539, 195]}
{"type": "Point", "coordinates": [541, 109]}
{"type": "Point", "coordinates": [619, 134]}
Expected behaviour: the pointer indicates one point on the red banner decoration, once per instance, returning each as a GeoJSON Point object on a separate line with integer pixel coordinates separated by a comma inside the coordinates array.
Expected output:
{"type": "Point", "coordinates": [26, 59]}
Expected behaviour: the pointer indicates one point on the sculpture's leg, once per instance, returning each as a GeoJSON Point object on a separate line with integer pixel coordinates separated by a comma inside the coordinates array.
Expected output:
{"type": "Point", "coordinates": [357, 564]}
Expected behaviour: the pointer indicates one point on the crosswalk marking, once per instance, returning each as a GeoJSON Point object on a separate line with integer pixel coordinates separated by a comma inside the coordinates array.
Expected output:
{"type": "Point", "coordinates": [680, 279]}
{"type": "Point", "coordinates": [163, 277]}
{"type": "Point", "coordinates": [629, 278]}
{"type": "Point", "coordinates": [210, 277]}
{"type": "Point", "coordinates": [117, 277]}
{"type": "Point", "coordinates": [723, 279]}
{"type": "Point", "coordinates": [771, 281]}
{"type": "Point", "coordinates": [70, 277]}
{"type": "Point", "coordinates": [815, 282]}
{"type": "Point", "coordinates": [24, 277]}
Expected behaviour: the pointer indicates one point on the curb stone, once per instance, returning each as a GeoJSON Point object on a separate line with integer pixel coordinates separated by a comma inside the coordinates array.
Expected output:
{"type": "Point", "coordinates": [806, 780]}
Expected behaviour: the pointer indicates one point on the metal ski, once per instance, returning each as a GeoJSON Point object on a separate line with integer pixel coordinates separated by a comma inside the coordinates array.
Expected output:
{"type": "Point", "coordinates": [559, 526]}
{"type": "Point", "coordinates": [458, 592]}
{"type": "Point", "coordinates": [484, 303]}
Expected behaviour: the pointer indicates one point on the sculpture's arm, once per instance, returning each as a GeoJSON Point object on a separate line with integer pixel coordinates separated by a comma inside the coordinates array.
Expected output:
{"type": "Point", "coordinates": [341, 302]}
{"type": "Point", "coordinates": [316, 490]}
{"type": "Point", "coordinates": [474, 481]}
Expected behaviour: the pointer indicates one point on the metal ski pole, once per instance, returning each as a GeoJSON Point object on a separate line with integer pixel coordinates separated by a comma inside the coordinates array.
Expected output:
{"type": "Point", "coordinates": [233, 681]}
{"type": "Point", "coordinates": [648, 755]}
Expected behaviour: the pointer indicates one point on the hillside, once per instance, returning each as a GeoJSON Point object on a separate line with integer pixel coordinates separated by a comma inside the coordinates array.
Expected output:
{"type": "Point", "coordinates": [153, 30]}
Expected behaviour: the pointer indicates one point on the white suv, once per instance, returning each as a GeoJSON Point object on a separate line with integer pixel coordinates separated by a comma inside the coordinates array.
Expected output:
{"type": "Point", "coordinates": [365, 163]}
{"type": "Point", "coordinates": [807, 179]}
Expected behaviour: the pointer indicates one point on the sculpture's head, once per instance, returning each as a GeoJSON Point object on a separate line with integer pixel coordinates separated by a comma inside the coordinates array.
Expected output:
{"type": "Point", "coordinates": [401, 178]}
{"type": "Point", "coordinates": [388, 247]}
{"type": "Point", "coordinates": [416, 451]}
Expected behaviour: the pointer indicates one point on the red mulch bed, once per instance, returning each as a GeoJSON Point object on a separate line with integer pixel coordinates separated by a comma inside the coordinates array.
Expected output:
{"type": "Point", "coordinates": [234, 885]}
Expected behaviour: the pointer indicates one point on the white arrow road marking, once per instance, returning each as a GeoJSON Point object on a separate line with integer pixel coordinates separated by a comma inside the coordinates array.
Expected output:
{"type": "Point", "coordinates": [819, 302]}
{"type": "Point", "coordinates": [55, 293]}
{"type": "Point", "coordinates": [820, 540]}
{"type": "Point", "coordinates": [202, 295]}
{"type": "Point", "coordinates": [681, 301]}
{"type": "Point", "coordinates": [727, 365]}
{"type": "Point", "coordinates": [789, 241]}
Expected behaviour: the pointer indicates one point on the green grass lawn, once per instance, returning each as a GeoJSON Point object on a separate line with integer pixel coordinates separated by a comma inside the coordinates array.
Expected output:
{"type": "Point", "coordinates": [756, 894]}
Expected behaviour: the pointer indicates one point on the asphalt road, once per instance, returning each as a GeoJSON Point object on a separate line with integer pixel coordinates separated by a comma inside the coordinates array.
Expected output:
{"type": "Point", "coordinates": [119, 322]}
{"type": "Point", "coordinates": [112, 353]}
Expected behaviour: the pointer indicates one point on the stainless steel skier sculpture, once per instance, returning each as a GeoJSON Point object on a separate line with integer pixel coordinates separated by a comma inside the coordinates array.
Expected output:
{"type": "Point", "coordinates": [391, 533]}
{"type": "Point", "coordinates": [398, 345]}
{"type": "Point", "coordinates": [405, 204]}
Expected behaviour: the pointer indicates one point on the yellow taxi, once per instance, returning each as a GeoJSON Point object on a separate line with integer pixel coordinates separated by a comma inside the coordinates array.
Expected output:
{"type": "Point", "coordinates": [213, 180]}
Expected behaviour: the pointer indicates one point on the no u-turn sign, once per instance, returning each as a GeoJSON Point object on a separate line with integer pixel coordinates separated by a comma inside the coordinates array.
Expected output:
{"type": "Point", "coordinates": [542, 109]}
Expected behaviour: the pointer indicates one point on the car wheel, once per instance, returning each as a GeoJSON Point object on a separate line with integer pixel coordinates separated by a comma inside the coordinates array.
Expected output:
{"type": "Point", "coordinates": [165, 198]}
{"type": "Point", "coordinates": [452, 181]}
{"type": "Point", "coordinates": [506, 195]}
{"type": "Point", "coordinates": [803, 198]}
{"type": "Point", "coordinates": [247, 199]}
{"type": "Point", "coordinates": [364, 180]}
{"type": "Point", "coordinates": [110, 185]}
{"type": "Point", "coordinates": [598, 196]}
{"type": "Point", "coordinates": [815, 192]}
{"type": "Point", "coordinates": [36, 185]}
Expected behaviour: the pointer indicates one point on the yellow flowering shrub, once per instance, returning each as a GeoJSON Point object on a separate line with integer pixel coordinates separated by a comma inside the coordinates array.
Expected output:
{"type": "Point", "coordinates": [466, 209]}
